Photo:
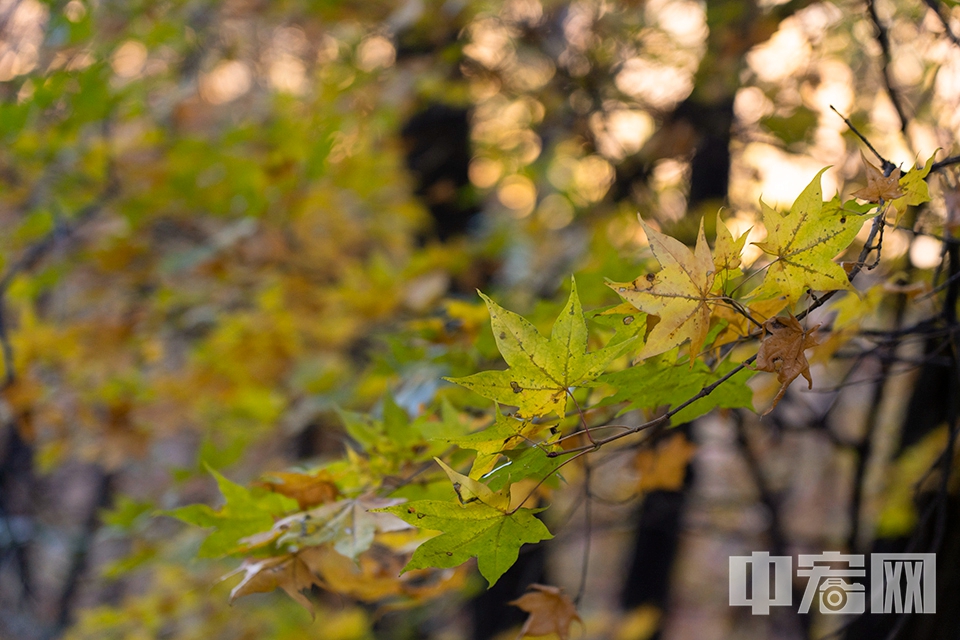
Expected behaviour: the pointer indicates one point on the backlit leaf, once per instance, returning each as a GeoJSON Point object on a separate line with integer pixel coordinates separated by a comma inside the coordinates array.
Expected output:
{"type": "Point", "coordinates": [541, 369]}
{"type": "Point", "coordinates": [805, 241]}
{"type": "Point", "coordinates": [880, 188]}
{"type": "Point", "coordinates": [679, 294]}
{"type": "Point", "coordinates": [471, 530]}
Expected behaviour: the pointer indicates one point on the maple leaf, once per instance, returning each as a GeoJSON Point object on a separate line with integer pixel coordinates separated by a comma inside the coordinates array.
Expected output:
{"type": "Point", "coordinates": [727, 251]}
{"type": "Point", "coordinates": [503, 435]}
{"type": "Point", "coordinates": [244, 513]}
{"type": "Point", "coordinates": [805, 241]}
{"type": "Point", "coordinates": [541, 370]}
{"type": "Point", "coordinates": [781, 352]}
{"type": "Point", "coordinates": [287, 572]}
{"type": "Point", "coordinates": [468, 489]}
{"type": "Point", "coordinates": [550, 609]}
{"type": "Point", "coordinates": [472, 530]}
{"type": "Point", "coordinates": [679, 294]}
{"type": "Point", "coordinates": [879, 187]}
{"type": "Point", "coordinates": [915, 189]}
{"type": "Point", "coordinates": [349, 524]}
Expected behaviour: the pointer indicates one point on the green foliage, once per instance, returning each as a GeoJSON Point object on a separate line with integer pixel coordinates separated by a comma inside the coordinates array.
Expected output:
{"type": "Point", "coordinates": [213, 248]}
{"type": "Point", "coordinates": [473, 529]}
{"type": "Point", "coordinates": [661, 381]}
{"type": "Point", "coordinates": [541, 370]}
{"type": "Point", "coordinates": [516, 458]}
{"type": "Point", "coordinates": [245, 512]}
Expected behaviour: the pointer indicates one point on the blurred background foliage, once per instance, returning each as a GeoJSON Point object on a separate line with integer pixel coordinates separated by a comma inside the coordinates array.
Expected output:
{"type": "Point", "coordinates": [220, 220]}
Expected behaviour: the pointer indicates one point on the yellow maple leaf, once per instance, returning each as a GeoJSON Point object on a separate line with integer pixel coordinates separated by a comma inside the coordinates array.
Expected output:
{"type": "Point", "coordinates": [805, 241]}
{"type": "Point", "coordinates": [726, 253]}
{"type": "Point", "coordinates": [679, 294]}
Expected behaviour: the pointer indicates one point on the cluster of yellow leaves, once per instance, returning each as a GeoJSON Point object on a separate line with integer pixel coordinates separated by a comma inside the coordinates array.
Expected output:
{"type": "Point", "coordinates": [803, 244]}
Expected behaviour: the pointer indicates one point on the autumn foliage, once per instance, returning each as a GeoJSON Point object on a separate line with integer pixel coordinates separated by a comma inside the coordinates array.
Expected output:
{"type": "Point", "coordinates": [357, 319]}
{"type": "Point", "coordinates": [696, 329]}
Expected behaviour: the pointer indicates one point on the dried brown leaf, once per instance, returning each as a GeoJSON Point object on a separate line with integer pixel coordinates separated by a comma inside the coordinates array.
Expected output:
{"type": "Point", "coordinates": [879, 187]}
{"type": "Point", "coordinates": [551, 611]}
{"type": "Point", "coordinates": [781, 352]}
{"type": "Point", "coordinates": [287, 572]}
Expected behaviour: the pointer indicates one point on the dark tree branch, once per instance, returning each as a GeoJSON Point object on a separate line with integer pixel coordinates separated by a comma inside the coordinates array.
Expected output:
{"type": "Point", "coordinates": [885, 164]}
{"type": "Point", "coordinates": [883, 38]}
{"type": "Point", "coordinates": [946, 162]}
{"type": "Point", "coordinates": [937, 9]}
{"type": "Point", "coordinates": [102, 498]}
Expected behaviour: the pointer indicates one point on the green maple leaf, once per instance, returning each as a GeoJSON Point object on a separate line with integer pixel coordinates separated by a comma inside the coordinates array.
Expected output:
{"type": "Point", "coordinates": [492, 536]}
{"type": "Point", "coordinates": [663, 382]}
{"type": "Point", "coordinates": [805, 242]}
{"type": "Point", "coordinates": [505, 434]}
{"type": "Point", "coordinates": [523, 463]}
{"type": "Point", "coordinates": [244, 514]}
{"type": "Point", "coordinates": [541, 369]}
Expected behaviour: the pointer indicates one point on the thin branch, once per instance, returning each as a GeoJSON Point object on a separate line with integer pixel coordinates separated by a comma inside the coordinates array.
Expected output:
{"type": "Point", "coordinates": [739, 308]}
{"type": "Point", "coordinates": [588, 526]}
{"type": "Point", "coordinates": [583, 419]}
{"type": "Point", "coordinates": [662, 420]}
{"type": "Point", "coordinates": [884, 163]}
{"type": "Point", "coordinates": [936, 7]}
{"type": "Point", "coordinates": [946, 162]}
{"type": "Point", "coordinates": [883, 39]}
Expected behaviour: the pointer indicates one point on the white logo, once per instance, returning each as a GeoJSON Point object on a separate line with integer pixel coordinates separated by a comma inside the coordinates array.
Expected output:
{"type": "Point", "coordinates": [899, 582]}
{"type": "Point", "coordinates": [891, 571]}
{"type": "Point", "coordinates": [761, 599]}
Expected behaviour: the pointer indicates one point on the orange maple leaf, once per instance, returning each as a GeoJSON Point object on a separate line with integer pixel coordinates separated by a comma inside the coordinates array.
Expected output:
{"type": "Point", "coordinates": [308, 489]}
